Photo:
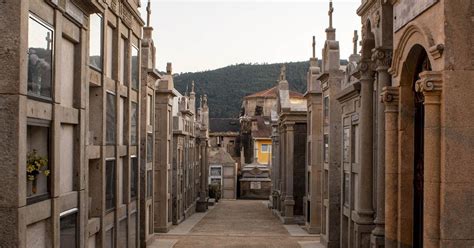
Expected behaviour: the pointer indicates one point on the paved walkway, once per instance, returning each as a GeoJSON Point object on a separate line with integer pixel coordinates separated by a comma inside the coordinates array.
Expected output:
{"type": "Point", "coordinates": [236, 224]}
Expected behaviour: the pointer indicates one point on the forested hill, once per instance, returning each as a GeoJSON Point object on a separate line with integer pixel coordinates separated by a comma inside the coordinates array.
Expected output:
{"type": "Point", "coordinates": [227, 86]}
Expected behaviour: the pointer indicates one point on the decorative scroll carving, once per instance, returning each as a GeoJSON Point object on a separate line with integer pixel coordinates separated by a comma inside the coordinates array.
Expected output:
{"type": "Point", "coordinates": [430, 82]}
{"type": "Point", "coordinates": [437, 51]}
{"type": "Point", "coordinates": [382, 58]}
{"type": "Point", "coordinates": [390, 95]}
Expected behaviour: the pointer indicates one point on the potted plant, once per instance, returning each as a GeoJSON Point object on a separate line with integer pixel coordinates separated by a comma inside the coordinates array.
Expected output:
{"type": "Point", "coordinates": [35, 165]}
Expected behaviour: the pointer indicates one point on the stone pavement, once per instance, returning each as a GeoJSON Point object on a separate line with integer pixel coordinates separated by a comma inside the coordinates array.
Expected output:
{"type": "Point", "coordinates": [236, 224]}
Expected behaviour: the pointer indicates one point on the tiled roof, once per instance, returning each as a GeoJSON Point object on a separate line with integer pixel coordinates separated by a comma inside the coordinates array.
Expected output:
{"type": "Point", "coordinates": [272, 93]}
{"type": "Point", "coordinates": [264, 128]}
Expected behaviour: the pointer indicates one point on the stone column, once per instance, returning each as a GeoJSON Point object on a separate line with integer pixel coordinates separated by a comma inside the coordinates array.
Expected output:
{"type": "Point", "coordinates": [364, 210]}
{"type": "Point", "coordinates": [383, 59]}
{"type": "Point", "coordinates": [389, 97]}
{"type": "Point", "coordinates": [283, 145]}
{"type": "Point", "coordinates": [430, 84]}
{"type": "Point", "coordinates": [289, 199]}
{"type": "Point", "coordinates": [202, 202]}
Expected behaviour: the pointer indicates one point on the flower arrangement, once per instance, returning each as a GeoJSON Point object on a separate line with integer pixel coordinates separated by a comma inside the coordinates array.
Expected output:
{"type": "Point", "coordinates": [35, 165]}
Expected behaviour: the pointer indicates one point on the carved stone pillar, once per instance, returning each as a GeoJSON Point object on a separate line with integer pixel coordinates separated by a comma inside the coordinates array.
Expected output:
{"type": "Point", "coordinates": [363, 217]}
{"type": "Point", "coordinates": [289, 199]}
{"type": "Point", "coordinates": [383, 59]}
{"type": "Point", "coordinates": [390, 98]}
{"type": "Point", "coordinates": [430, 84]}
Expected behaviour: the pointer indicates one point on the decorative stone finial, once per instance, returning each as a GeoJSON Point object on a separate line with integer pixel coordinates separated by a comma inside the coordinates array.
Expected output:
{"type": "Point", "coordinates": [314, 46]}
{"type": "Point", "coordinates": [169, 68]}
{"type": "Point", "coordinates": [204, 100]}
{"type": "Point", "coordinates": [148, 13]}
{"type": "Point", "coordinates": [192, 86]}
{"type": "Point", "coordinates": [331, 10]}
{"type": "Point", "coordinates": [283, 73]}
{"type": "Point", "coordinates": [355, 39]}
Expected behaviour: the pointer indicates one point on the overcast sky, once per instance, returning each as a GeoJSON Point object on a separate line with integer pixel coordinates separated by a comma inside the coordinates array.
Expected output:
{"type": "Point", "coordinates": [200, 35]}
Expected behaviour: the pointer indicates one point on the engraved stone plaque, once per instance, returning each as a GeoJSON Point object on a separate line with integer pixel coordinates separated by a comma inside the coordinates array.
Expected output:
{"type": "Point", "coordinates": [407, 10]}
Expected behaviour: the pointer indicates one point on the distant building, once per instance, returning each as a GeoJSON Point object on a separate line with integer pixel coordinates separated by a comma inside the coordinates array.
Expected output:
{"type": "Point", "coordinates": [223, 172]}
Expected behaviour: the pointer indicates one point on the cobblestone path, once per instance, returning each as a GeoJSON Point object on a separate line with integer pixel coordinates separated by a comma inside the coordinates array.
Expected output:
{"type": "Point", "coordinates": [236, 224]}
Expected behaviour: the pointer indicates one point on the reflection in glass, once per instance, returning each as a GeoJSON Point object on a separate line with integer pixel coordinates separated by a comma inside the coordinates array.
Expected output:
{"type": "Point", "coordinates": [110, 184]}
{"type": "Point", "coordinates": [346, 189]}
{"type": "Point", "coordinates": [40, 57]}
{"type": "Point", "coordinates": [134, 124]}
{"type": "Point", "coordinates": [149, 183]}
{"type": "Point", "coordinates": [110, 119]}
{"type": "Point", "coordinates": [346, 144]}
{"type": "Point", "coordinates": [135, 75]}
{"type": "Point", "coordinates": [326, 148]}
{"type": "Point", "coordinates": [134, 178]}
{"type": "Point", "coordinates": [68, 225]}
{"type": "Point", "coordinates": [149, 148]}
{"type": "Point", "coordinates": [95, 42]}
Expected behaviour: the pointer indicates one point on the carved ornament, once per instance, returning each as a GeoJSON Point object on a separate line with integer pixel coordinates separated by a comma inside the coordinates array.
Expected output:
{"type": "Point", "coordinates": [430, 82]}
{"type": "Point", "coordinates": [389, 95]}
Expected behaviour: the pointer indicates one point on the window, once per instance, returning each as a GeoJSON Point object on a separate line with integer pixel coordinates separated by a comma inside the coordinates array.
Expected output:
{"type": "Point", "coordinates": [38, 141]}
{"type": "Point", "coordinates": [68, 227]}
{"type": "Point", "coordinates": [134, 177]}
{"type": "Point", "coordinates": [265, 148]}
{"type": "Point", "coordinates": [326, 148]}
{"type": "Point", "coordinates": [40, 58]}
{"type": "Point", "coordinates": [216, 171]}
{"type": "Point", "coordinates": [149, 183]}
{"type": "Point", "coordinates": [95, 42]}
{"type": "Point", "coordinates": [123, 61]}
{"type": "Point", "coordinates": [109, 238]}
{"type": "Point", "coordinates": [355, 147]}
{"type": "Point", "coordinates": [149, 148]}
{"type": "Point", "coordinates": [326, 109]}
{"type": "Point", "coordinates": [134, 124]}
{"type": "Point", "coordinates": [346, 144]}
{"type": "Point", "coordinates": [346, 188]}
{"type": "Point", "coordinates": [121, 121]}
{"type": "Point", "coordinates": [135, 68]}
{"type": "Point", "coordinates": [110, 119]}
{"type": "Point", "coordinates": [110, 184]}
{"type": "Point", "coordinates": [149, 110]}
{"type": "Point", "coordinates": [110, 52]}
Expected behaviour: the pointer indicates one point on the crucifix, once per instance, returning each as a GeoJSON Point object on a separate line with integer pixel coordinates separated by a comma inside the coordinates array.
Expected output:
{"type": "Point", "coordinates": [355, 39]}
{"type": "Point", "coordinates": [49, 40]}
{"type": "Point", "coordinates": [314, 46]}
{"type": "Point", "coordinates": [331, 10]}
{"type": "Point", "coordinates": [148, 11]}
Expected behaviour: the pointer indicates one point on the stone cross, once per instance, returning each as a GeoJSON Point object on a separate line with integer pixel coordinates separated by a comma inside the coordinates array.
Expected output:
{"type": "Point", "coordinates": [148, 11]}
{"type": "Point", "coordinates": [283, 73]}
{"type": "Point", "coordinates": [314, 46]}
{"type": "Point", "coordinates": [331, 10]}
{"type": "Point", "coordinates": [169, 68]}
{"type": "Point", "coordinates": [49, 40]}
{"type": "Point", "coordinates": [355, 39]}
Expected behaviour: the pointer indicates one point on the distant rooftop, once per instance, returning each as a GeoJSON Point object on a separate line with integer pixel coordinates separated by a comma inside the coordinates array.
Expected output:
{"type": "Point", "coordinates": [272, 93]}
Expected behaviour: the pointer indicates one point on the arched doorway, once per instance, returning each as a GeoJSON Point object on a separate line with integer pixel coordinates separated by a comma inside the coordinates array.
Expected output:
{"type": "Point", "coordinates": [412, 117]}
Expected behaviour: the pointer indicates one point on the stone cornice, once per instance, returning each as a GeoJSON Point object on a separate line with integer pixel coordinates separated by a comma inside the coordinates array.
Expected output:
{"type": "Point", "coordinates": [365, 7]}
{"type": "Point", "coordinates": [349, 92]}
